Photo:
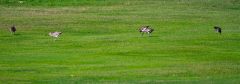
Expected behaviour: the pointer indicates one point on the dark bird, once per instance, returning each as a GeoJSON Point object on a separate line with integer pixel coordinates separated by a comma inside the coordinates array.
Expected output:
{"type": "Point", "coordinates": [13, 29]}
{"type": "Point", "coordinates": [55, 34]}
{"type": "Point", "coordinates": [148, 30]}
{"type": "Point", "coordinates": [218, 29]}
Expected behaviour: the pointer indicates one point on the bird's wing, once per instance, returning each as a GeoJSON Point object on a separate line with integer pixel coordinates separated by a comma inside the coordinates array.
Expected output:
{"type": "Point", "coordinates": [57, 33]}
{"type": "Point", "coordinates": [144, 28]}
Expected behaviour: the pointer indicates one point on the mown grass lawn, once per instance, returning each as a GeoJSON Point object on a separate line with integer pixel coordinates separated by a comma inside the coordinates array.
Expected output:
{"type": "Point", "coordinates": [101, 42]}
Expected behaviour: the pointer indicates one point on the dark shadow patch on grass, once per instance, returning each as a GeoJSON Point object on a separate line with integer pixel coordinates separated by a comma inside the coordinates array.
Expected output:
{"type": "Point", "coordinates": [12, 35]}
{"type": "Point", "coordinates": [17, 34]}
{"type": "Point", "coordinates": [153, 36]}
{"type": "Point", "coordinates": [145, 36]}
{"type": "Point", "coordinates": [6, 36]}
{"type": "Point", "coordinates": [234, 8]}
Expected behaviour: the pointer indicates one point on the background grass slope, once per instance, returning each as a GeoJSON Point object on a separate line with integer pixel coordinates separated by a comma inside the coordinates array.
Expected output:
{"type": "Point", "coordinates": [101, 42]}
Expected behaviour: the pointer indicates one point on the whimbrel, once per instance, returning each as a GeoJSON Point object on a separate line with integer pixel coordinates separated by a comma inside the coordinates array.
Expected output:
{"type": "Point", "coordinates": [218, 29]}
{"type": "Point", "coordinates": [13, 29]}
{"type": "Point", "coordinates": [55, 34]}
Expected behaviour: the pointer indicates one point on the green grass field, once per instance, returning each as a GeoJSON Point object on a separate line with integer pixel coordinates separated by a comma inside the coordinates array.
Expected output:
{"type": "Point", "coordinates": [102, 43]}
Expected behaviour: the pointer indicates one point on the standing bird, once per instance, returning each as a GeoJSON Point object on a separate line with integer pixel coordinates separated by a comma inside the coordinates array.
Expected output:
{"type": "Point", "coordinates": [218, 29]}
{"type": "Point", "coordinates": [148, 30]}
{"type": "Point", "coordinates": [55, 34]}
{"type": "Point", "coordinates": [13, 29]}
{"type": "Point", "coordinates": [143, 28]}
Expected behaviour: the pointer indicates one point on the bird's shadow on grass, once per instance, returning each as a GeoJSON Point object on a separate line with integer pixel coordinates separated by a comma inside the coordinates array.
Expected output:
{"type": "Point", "coordinates": [17, 34]}
{"type": "Point", "coordinates": [6, 36]}
{"type": "Point", "coordinates": [146, 37]}
{"type": "Point", "coordinates": [12, 35]}
{"type": "Point", "coordinates": [153, 36]}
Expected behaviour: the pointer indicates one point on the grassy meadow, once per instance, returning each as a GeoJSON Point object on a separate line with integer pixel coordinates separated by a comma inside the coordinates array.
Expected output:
{"type": "Point", "coordinates": [101, 43]}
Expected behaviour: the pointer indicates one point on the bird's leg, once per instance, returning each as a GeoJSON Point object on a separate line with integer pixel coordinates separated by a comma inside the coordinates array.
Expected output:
{"type": "Point", "coordinates": [55, 39]}
{"type": "Point", "coordinates": [216, 31]}
{"type": "Point", "coordinates": [148, 34]}
{"type": "Point", "coordinates": [142, 33]}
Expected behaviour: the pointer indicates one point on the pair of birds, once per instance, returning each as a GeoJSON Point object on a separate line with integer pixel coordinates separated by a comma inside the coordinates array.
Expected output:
{"type": "Point", "coordinates": [149, 30]}
{"type": "Point", "coordinates": [55, 34]}
{"type": "Point", "coordinates": [146, 29]}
